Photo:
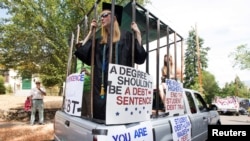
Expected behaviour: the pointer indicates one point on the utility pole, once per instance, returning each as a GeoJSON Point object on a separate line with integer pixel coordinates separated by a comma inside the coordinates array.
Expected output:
{"type": "Point", "coordinates": [236, 86]}
{"type": "Point", "coordinates": [198, 59]}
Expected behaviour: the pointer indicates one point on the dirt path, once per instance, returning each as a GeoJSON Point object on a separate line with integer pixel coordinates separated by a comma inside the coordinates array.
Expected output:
{"type": "Point", "coordinates": [23, 131]}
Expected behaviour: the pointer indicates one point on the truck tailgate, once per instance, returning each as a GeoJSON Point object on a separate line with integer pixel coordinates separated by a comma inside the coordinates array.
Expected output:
{"type": "Point", "coordinates": [70, 128]}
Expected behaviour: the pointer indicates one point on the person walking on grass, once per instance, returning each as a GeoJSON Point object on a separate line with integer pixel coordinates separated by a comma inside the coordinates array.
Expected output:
{"type": "Point", "coordinates": [37, 94]}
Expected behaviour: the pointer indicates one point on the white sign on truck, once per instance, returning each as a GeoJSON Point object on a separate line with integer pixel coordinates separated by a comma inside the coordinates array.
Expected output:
{"type": "Point", "coordinates": [139, 132]}
{"type": "Point", "coordinates": [73, 94]}
{"type": "Point", "coordinates": [181, 127]}
{"type": "Point", "coordinates": [173, 102]}
{"type": "Point", "coordinates": [129, 95]}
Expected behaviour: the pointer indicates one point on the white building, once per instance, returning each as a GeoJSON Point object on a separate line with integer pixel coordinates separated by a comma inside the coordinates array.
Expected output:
{"type": "Point", "coordinates": [18, 85]}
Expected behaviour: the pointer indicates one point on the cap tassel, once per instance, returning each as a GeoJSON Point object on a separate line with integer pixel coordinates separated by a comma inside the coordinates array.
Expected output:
{"type": "Point", "coordinates": [102, 91]}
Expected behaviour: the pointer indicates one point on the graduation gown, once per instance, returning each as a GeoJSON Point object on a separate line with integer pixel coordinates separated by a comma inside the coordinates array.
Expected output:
{"type": "Point", "coordinates": [124, 57]}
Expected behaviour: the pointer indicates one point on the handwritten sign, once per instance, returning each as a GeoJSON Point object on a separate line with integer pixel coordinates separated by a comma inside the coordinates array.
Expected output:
{"type": "Point", "coordinates": [129, 95]}
{"type": "Point", "coordinates": [134, 132]}
{"type": "Point", "coordinates": [73, 94]}
{"type": "Point", "coordinates": [227, 102]}
{"type": "Point", "coordinates": [181, 128]}
{"type": "Point", "coordinates": [174, 97]}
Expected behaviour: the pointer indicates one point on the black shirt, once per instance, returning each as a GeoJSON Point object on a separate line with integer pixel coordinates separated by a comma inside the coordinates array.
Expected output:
{"type": "Point", "coordinates": [124, 57]}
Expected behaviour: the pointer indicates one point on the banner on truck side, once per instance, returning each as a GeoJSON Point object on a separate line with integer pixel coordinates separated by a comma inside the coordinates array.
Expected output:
{"type": "Point", "coordinates": [181, 127]}
{"type": "Point", "coordinates": [141, 131]}
{"type": "Point", "coordinates": [173, 102]}
{"type": "Point", "coordinates": [73, 94]}
{"type": "Point", "coordinates": [129, 95]}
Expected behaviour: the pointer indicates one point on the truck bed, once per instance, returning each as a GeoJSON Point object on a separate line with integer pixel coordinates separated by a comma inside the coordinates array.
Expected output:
{"type": "Point", "coordinates": [72, 128]}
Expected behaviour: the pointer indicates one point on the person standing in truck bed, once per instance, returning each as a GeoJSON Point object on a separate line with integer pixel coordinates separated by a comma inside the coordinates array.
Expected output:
{"type": "Point", "coordinates": [167, 66]}
{"type": "Point", "coordinates": [121, 53]}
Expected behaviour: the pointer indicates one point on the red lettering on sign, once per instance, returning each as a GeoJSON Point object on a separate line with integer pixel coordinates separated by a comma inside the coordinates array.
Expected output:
{"type": "Point", "coordinates": [127, 91]}
{"type": "Point", "coordinates": [171, 107]}
{"type": "Point", "coordinates": [133, 100]}
{"type": "Point", "coordinates": [184, 138]}
{"type": "Point", "coordinates": [140, 91]}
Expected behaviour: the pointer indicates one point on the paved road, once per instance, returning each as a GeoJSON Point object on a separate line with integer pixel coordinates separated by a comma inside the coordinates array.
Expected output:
{"type": "Point", "coordinates": [235, 120]}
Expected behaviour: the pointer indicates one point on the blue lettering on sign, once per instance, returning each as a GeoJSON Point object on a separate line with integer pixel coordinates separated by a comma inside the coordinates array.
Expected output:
{"type": "Point", "coordinates": [182, 126]}
{"type": "Point", "coordinates": [181, 123]}
{"type": "Point", "coordinates": [76, 78]}
{"type": "Point", "coordinates": [138, 133]}
{"type": "Point", "coordinates": [177, 127]}
{"type": "Point", "coordinates": [182, 132]}
{"type": "Point", "coordinates": [173, 86]}
{"type": "Point", "coordinates": [141, 132]}
{"type": "Point", "coordinates": [122, 137]}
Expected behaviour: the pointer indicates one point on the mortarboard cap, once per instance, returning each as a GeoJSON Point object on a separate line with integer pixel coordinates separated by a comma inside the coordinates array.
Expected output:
{"type": "Point", "coordinates": [118, 11]}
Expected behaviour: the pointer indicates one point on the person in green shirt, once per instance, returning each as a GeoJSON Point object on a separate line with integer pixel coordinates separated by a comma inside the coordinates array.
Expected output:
{"type": "Point", "coordinates": [86, 91]}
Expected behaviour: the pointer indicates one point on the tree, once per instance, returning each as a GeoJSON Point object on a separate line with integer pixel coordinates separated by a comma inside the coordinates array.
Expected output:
{"type": "Point", "coordinates": [240, 89]}
{"type": "Point", "coordinates": [191, 59]}
{"type": "Point", "coordinates": [35, 39]}
{"type": "Point", "coordinates": [191, 80]}
{"type": "Point", "coordinates": [241, 57]}
{"type": "Point", "coordinates": [227, 90]}
{"type": "Point", "coordinates": [235, 88]}
{"type": "Point", "coordinates": [210, 86]}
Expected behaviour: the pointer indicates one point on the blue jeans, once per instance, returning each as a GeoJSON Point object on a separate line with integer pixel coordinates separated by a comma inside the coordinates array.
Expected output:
{"type": "Point", "coordinates": [37, 105]}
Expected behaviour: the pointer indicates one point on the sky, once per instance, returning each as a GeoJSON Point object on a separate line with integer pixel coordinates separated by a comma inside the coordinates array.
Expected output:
{"type": "Point", "coordinates": [223, 24]}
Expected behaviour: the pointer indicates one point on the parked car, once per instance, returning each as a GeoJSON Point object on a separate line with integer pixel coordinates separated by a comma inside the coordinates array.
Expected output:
{"type": "Point", "coordinates": [243, 111]}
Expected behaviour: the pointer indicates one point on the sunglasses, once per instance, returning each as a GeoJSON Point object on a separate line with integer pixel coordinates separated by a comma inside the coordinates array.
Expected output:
{"type": "Point", "coordinates": [104, 15]}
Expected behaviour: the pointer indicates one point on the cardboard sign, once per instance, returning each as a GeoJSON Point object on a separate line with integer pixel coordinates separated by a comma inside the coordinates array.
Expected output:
{"type": "Point", "coordinates": [137, 132]}
{"type": "Point", "coordinates": [129, 95]}
{"type": "Point", "coordinates": [73, 94]}
{"type": "Point", "coordinates": [173, 102]}
{"type": "Point", "coordinates": [181, 127]}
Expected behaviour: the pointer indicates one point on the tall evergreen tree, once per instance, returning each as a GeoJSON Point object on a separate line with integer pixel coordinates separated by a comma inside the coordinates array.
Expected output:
{"type": "Point", "coordinates": [191, 59]}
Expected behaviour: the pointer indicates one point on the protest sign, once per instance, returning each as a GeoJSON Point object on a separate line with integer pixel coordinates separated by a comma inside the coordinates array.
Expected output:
{"type": "Point", "coordinates": [134, 132]}
{"type": "Point", "coordinates": [181, 128]}
{"type": "Point", "coordinates": [73, 94]}
{"type": "Point", "coordinates": [173, 101]}
{"type": "Point", "coordinates": [129, 95]}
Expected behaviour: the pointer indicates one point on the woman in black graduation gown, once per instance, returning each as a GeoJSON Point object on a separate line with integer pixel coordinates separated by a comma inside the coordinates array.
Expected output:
{"type": "Point", "coordinates": [121, 53]}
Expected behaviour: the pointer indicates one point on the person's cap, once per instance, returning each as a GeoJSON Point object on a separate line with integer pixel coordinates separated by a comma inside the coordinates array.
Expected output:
{"type": "Point", "coordinates": [118, 11]}
{"type": "Point", "coordinates": [38, 81]}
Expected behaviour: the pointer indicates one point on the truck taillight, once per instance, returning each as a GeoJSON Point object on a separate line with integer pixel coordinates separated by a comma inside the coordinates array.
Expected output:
{"type": "Point", "coordinates": [94, 138]}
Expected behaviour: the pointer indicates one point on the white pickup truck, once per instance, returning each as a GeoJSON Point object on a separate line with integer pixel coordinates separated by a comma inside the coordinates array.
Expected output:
{"type": "Point", "coordinates": [135, 112]}
{"type": "Point", "coordinates": [191, 124]}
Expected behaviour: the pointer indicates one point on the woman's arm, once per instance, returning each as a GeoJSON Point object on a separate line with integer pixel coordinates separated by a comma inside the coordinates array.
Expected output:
{"type": "Point", "coordinates": [92, 26]}
{"type": "Point", "coordinates": [83, 51]}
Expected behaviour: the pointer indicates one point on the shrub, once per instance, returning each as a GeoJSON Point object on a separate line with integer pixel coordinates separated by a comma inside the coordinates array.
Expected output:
{"type": "Point", "coordinates": [2, 87]}
{"type": "Point", "coordinates": [8, 89]}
